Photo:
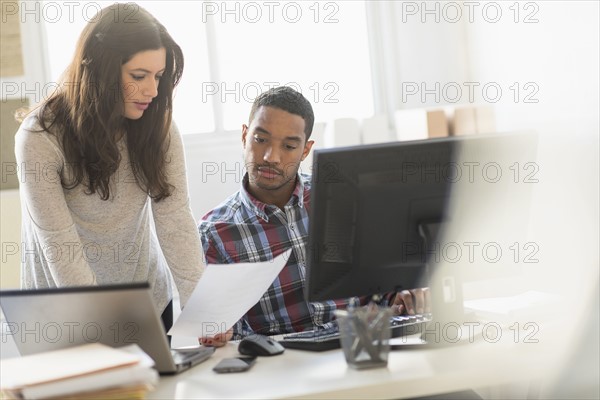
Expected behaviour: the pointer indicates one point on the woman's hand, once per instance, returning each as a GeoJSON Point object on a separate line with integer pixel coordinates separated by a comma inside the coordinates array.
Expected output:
{"type": "Point", "coordinates": [219, 340]}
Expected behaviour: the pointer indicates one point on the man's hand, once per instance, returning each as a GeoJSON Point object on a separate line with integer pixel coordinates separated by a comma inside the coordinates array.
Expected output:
{"type": "Point", "coordinates": [217, 341]}
{"type": "Point", "coordinates": [415, 301]}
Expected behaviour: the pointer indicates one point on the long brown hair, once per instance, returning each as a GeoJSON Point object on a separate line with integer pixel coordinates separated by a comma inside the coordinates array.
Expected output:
{"type": "Point", "coordinates": [86, 113]}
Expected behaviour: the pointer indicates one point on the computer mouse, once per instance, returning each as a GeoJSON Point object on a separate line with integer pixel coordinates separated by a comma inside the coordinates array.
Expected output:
{"type": "Point", "coordinates": [260, 345]}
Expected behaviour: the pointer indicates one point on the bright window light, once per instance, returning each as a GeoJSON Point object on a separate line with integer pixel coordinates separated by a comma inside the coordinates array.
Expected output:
{"type": "Point", "coordinates": [320, 48]}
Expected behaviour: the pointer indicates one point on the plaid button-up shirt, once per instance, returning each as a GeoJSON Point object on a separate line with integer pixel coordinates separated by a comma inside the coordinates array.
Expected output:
{"type": "Point", "coordinates": [243, 229]}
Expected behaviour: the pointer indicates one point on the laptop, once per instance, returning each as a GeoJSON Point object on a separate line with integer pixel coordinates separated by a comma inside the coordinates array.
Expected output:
{"type": "Point", "coordinates": [116, 315]}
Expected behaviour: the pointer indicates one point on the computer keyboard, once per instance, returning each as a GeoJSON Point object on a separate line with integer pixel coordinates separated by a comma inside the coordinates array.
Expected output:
{"type": "Point", "coordinates": [329, 338]}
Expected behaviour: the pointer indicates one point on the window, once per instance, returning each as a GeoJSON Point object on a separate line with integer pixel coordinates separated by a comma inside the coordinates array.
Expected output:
{"type": "Point", "coordinates": [320, 48]}
{"type": "Point", "coordinates": [234, 50]}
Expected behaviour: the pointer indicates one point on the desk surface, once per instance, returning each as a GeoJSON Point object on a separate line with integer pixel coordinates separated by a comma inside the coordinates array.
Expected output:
{"type": "Point", "coordinates": [410, 373]}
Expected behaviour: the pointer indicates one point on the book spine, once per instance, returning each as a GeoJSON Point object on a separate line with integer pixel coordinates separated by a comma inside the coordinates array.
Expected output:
{"type": "Point", "coordinates": [97, 381]}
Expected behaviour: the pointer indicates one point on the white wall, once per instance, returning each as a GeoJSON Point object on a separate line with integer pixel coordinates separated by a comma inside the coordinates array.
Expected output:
{"type": "Point", "coordinates": [429, 53]}
{"type": "Point", "coordinates": [559, 54]}
{"type": "Point", "coordinates": [412, 51]}
{"type": "Point", "coordinates": [10, 236]}
{"type": "Point", "coordinates": [214, 167]}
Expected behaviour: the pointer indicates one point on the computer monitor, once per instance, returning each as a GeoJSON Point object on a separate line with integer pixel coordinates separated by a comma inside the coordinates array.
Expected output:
{"type": "Point", "coordinates": [379, 212]}
{"type": "Point", "coordinates": [370, 208]}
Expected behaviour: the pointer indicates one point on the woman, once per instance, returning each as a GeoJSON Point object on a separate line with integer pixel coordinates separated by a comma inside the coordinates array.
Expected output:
{"type": "Point", "coordinates": [108, 200]}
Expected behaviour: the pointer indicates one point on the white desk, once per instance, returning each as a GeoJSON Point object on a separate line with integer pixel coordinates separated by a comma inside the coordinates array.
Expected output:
{"type": "Point", "coordinates": [410, 373]}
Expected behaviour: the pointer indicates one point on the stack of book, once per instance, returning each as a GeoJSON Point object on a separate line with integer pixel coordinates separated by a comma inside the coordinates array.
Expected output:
{"type": "Point", "coordinates": [91, 371]}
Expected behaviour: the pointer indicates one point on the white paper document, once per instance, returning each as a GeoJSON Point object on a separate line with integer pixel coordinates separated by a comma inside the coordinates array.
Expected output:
{"type": "Point", "coordinates": [524, 305]}
{"type": "Point", "coordinates": [224, 294]}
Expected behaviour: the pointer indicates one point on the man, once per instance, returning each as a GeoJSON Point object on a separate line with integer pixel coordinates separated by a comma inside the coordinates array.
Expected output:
{"type": "Point", "coordinates": [269, 214]}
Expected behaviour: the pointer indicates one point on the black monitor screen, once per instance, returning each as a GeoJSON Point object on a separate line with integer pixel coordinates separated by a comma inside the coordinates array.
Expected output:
{"type": "Point", "coordinates": [369, 208]}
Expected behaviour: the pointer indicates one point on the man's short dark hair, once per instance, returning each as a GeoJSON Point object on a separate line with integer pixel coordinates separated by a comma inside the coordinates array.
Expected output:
{"type": "Point", "coordinates": [287, 99]}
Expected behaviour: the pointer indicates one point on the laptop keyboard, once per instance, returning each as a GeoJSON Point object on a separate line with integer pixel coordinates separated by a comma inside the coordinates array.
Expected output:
{"type": "Point", "coordinates": [182, 357]}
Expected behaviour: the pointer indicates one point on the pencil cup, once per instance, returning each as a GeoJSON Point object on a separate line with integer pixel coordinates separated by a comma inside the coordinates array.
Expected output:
{"type": "Point", "coordinates": [365, 336]}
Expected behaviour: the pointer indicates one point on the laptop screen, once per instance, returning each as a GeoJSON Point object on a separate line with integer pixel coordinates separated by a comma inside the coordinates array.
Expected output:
{"type": "Point", "coordinates": [116, 315]}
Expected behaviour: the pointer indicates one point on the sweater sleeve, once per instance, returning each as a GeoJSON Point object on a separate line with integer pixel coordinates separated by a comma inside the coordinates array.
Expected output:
{"type": "Point", "coordinates": [46, 217]}
{"type": "Point", "coordinates": [175, 225]}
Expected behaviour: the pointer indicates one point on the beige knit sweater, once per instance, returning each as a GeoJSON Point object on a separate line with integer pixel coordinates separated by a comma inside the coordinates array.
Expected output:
{"type": "Point", "coordinates": [72, 238]}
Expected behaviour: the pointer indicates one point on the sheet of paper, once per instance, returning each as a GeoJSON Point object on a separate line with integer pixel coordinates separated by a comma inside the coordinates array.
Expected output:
{"type": "Point", "coordinates": [527, 304]}
{"type": "Point", "coordinates": [224, 294]}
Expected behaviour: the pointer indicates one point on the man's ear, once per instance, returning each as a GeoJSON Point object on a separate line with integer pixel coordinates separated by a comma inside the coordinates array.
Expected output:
{"type": "Point", "coordinates": [307, 147]}
{"type": "Point", "coordinates": [244, 133]}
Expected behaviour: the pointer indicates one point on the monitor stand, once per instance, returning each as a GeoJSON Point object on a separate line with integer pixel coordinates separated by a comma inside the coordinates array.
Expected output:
{"type": "Point", "coordinates": [447, 326]}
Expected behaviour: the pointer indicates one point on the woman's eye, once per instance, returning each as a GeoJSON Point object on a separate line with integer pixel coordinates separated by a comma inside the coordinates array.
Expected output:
{"type": "Point", "coordinates": [137, 77]}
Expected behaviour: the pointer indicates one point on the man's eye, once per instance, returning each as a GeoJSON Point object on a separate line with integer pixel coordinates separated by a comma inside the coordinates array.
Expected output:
{"type": "Point", "coordinates": [259, 140]}
{"type": "Point", "coordinates": [290, 147]}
